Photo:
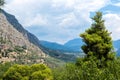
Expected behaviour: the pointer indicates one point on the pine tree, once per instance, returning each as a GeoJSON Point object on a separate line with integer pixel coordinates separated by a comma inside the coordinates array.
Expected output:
{"type": "Point", "coordinates": [2, 2]}
{"type": "Point", "coordinates": [98, 42]}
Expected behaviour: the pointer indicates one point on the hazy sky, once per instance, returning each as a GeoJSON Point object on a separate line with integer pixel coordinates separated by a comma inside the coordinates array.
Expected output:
{"type": "Point", "coordinates": [63, 20]}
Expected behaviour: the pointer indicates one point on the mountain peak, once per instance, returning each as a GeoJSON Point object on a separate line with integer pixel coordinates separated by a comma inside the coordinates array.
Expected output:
{"type": "Point", "coordinates": [74, 42]}
{"type": "Point", "coordinates": [14, 36]}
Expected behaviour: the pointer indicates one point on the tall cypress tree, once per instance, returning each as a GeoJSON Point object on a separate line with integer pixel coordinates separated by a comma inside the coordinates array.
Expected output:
{"type": "Point", "coordinates": [98, 42]}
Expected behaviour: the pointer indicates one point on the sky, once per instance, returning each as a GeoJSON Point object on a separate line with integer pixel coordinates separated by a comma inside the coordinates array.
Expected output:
{"type": "Point", "coordinates": [63, 20]}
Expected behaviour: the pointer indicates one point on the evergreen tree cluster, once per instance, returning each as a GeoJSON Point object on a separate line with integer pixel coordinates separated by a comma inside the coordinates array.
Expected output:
{"type": "Point", "coordinates": [97, 39]}
{"type": "Point", "coordinates": [25, 72]}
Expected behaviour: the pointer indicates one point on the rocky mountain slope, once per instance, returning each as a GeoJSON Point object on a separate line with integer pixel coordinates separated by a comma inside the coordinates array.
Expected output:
{"type": "Point", "coordinates": [16, 43]}
{"type": "Point", "coordinates": [20, 46]}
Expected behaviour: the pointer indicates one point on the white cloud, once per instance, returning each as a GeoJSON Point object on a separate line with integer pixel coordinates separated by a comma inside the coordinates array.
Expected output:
{"type": "Point", "coordinates": [112, 23]}
{"type": "Point", "coordinates": [68, 20]}
{"type": "Point", "coordinates": [30, 8]}
{"type": "Point", "coordinates": [26, 9]}
{"type": "Point", "coordinates": [117, 4]}
{"type": "Point", "coordinates": [65, 18]}
{"type": "Point", "coordinates": [38, 20]}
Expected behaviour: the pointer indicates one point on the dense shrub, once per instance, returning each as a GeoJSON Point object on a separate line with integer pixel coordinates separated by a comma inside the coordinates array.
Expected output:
{"type": "Point", "coordinates": [88, 70]}
{"type": "Point", "coordinates": [25, 72]}
{"type": "Point", "coordinates": [3, 68]}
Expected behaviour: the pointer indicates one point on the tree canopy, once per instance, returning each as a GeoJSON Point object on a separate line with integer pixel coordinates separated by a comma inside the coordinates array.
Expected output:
{"type": "Point", "coordinates": [24, 72]}
{"type": "Point", "coordinates": [97, 39]}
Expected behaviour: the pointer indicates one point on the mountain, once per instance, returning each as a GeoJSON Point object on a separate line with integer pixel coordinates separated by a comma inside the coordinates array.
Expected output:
{"type": "Point", "coordinates": [116, 44]}
{"type": "Point", "coordinates": [61, 55]}
{"type": "Point", "coordinates": [75, 44]}
{"type": "Point", "coordinates": [56, 46]}
{"type": "Point", "coordinates": [20, 46]}
{"type": "Point", "coordinates": [68, 51]}
{"type": "Point", "coordinates": [16, 43]}
{"type": "Point", "coordinates": [71, 46]}
{"type": "Point", "coordinates": [118, 52]}
{"type": "Point", "coordinates": [53, 45]}
{"type": "Point", "coordinates": [59, 51]}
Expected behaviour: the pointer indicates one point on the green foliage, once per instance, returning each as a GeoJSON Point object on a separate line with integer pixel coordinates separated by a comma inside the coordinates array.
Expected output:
{"type": "Point", "coordinates": [24, 72]}
{"type": "Point", "coordinates": [19, 49]}
{"type": "Point", "coordinates": [2, 41]}
{"type": "Point", "coordinates": [53, 62]}
{"type": "Point", "coordinates": [97, 40]}
{"type": "Point", "coordinates": [40, 72]}
{"type": "Point", "coordinates": [2, 2]}
{"type": "Point", "coordinates": [3, 68]}
{"type": "Point", "coordinates": [88, 70]}
{"type": "Point", "coordinates": [17, 72]}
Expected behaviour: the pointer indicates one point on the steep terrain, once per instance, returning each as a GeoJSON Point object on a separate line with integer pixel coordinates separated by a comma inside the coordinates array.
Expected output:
{"type": "Point", "coordinates": [20, 46]}
{"type": "Point", "coordinates": [16, 43]}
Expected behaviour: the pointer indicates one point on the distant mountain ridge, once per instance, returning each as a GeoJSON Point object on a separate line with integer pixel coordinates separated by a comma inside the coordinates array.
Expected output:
{"type": "Point", "coordinates": [70, 46]}
{"type": "Point", "coordinates": [74, 45]}
{"type": "Point", "coordinates": [54, 46]}
{"type": "Point", "coordinates": [116, 44]}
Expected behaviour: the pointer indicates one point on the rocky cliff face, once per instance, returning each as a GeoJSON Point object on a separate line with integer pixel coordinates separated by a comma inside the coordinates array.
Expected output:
{"type": "Point", "coordinates": [16, 40]}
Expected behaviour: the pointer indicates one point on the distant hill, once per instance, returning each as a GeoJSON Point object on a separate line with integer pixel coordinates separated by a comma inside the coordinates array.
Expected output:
{"type": "Point", "coordinates": [75, 44]}
{"type": "Point", "coordinates": [54, 46]}
{"type": "Point", "coordinates": [116, 44]}
{"type": "Point", "coordinates": [118, 52]}
{"type": "Point", "coordinates": [71, 46]}
{"type": "Point", "coordinates": [66, 52]}
{"type": "Point", "coordinates": [61, 55]}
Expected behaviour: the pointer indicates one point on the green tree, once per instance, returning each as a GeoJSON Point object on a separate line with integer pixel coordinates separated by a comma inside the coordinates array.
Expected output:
{"type": "Point", "coordinates": [98, 42]}
{"type": "Point", "coordinates": [3, 68]}
{"type": "Point", "coordinates": [40, 72]}
{"type": "Point", "coordinates": [17, 72]}
{"type": "Point", "coordinates": [2, 2]}
{"type": "Point", "coordinates": [24, 72]}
